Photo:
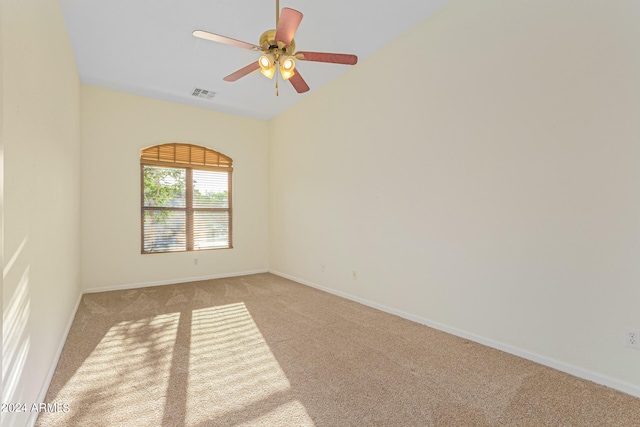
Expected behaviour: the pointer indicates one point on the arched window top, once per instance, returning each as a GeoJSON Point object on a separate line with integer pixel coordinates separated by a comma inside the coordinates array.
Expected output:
{"type": "Point", "coordinates": [181, 155]}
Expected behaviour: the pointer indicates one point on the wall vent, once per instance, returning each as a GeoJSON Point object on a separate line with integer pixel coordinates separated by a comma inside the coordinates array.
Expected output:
{"type": "Point", "coordinates": [203, 93]}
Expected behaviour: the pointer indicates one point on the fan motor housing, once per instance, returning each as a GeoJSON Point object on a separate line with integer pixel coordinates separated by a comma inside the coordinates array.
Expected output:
{"type": "Point", "coordinates": [268, 41]}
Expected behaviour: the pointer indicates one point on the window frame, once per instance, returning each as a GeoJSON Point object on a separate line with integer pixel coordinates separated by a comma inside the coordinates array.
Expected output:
{"type": "Point", "coordinates": [175, 156]}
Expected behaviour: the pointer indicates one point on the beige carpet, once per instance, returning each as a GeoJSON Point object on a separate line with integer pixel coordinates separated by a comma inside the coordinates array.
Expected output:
{"type": "Point", "coordinates": [262, 350]}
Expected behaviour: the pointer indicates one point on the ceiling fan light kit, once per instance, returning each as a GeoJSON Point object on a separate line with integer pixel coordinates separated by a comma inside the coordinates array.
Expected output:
{"type": "Point", "coordinates": [267, 65]}
{"type": "Point", "coordinates": [279, 51]}
{"type": "Point", "coordinates": [287, 65]}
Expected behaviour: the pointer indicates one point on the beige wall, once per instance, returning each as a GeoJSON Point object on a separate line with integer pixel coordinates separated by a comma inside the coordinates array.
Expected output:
{"type": "Point", "coordinates": [115, 126]}
{"type": "Point", "coordinates": [41, 236]}
{"type": "Point", "coordinates": [489, 185]}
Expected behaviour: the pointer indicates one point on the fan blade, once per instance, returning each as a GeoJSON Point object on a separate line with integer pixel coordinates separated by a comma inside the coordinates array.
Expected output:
{"type": "Point", "coordinates": [298, 82]}
{"type": "Point", "coordinates": [287, 25]}
{"type": "Point", "coordinates": [242, 72]}
{"type": "Point", "coordinates": [334, 58]}
{"type": "Point", "coordinates": [226, 40]}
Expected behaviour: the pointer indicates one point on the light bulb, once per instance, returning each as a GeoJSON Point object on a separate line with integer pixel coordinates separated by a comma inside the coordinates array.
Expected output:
{"type": "Point", "coordinates": [267, 66]}
{"type": "Point", "coordinates": [287, 64]}
{"type": "Point", "coordinates": [266, 61]}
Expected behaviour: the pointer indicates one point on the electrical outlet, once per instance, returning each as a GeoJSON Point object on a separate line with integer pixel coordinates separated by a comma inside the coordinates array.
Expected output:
{"type": "Point", "coordinates": [322, 268]}
{"type": "Point", "coordinates": [195, 261]}
{"type": "Point", "coordinates": [354, 275]}
{"type": "Point", "coordinates": [632, 338]}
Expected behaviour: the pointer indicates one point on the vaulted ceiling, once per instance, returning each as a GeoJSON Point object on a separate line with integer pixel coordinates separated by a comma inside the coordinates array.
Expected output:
{"type": "Point", "coordinates": [146, 47]}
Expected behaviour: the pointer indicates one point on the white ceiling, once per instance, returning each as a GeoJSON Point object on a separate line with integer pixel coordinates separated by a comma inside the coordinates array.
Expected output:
{"type": "Point", "coordinates": [146, 47]}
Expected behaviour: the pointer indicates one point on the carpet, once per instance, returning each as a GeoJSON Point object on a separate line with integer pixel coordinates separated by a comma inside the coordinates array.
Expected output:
{"type": "Point", "coordinates": [262, 350]}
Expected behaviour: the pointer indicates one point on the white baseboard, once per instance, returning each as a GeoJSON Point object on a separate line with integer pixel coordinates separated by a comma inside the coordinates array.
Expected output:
{"type": "Point", "coordinates": [576, 371]}
{"type": "Point", "coordinates": [52, 369]}
{"type": "Point", "coordinates": [169, 282]}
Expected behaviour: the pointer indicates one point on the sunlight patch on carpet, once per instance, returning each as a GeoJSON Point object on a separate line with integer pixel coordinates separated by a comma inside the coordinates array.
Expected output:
{"type": "Point", "coordinates": [130, 364]}
{"type": "Point", "coordinates": [231, 366]}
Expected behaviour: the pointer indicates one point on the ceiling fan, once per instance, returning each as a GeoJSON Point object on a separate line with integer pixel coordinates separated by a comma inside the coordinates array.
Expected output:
{"type": "Point", "coordinates": [279, 51]}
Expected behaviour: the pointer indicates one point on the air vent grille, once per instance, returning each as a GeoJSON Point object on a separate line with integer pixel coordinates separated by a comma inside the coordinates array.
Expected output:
{"type": "Point", "coordinates": [203, 93]}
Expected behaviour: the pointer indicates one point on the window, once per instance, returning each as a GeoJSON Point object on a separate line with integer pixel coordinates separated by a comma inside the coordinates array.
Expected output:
{"type": "Point", "coordinates": [186, 198]}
